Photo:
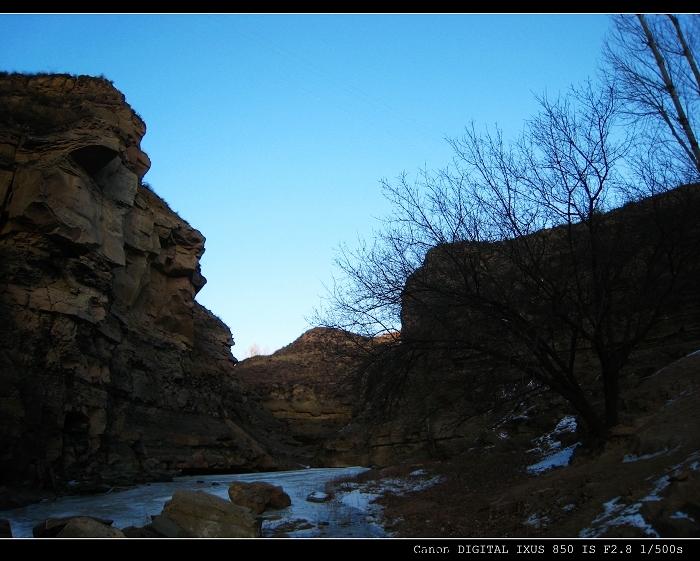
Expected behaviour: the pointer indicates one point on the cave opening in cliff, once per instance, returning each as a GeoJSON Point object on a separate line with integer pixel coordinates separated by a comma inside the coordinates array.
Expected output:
{"type": "Point", "coordinates": [93, 158]}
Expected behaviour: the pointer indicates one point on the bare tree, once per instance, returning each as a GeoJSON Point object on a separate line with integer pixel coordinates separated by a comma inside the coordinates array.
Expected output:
{"type": "Point", "coordinates": [653, 62]}
{"type": "Point", "coordinates": [524, 265]}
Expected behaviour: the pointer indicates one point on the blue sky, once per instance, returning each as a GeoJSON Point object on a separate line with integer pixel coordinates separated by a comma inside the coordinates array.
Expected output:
{"type": "Point", "coordinates": [270, 133]}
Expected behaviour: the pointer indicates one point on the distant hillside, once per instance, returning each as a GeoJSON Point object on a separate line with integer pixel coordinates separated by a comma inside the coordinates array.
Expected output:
{"type": "Point", "coordinates": [303, 385]}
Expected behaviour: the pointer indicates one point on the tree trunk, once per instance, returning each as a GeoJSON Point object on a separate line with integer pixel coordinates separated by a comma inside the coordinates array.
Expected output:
{"type": "Point", "coordinates": [693, 150]}
{"type": "Point", "coordinates": [594, 424]}
{"type": "Point", "coordinates": [687, 53]}
{"type": "Point", "coordinates": [611, 389]}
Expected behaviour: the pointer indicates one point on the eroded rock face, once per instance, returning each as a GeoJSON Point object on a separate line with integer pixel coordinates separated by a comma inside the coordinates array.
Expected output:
{"type": "Point", "coordinates": [301, 385]}
{"type": "Point", "coordinates": [202, 515]}
{"type": "Point", "coordinates": [106, 359]}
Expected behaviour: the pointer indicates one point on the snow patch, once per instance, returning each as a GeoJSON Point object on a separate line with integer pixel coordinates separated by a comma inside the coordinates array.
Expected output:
{"type": "Point", "coordinates": [633, 457]}
{"type": "Point", "coordinates": [554, 454]}
{"type": "Point", "coordinates": [615, 514]}
{"type": "Point", "coordinates": [680, 514]}
{"type": "Point", "coordinates": [618, 515]}
{"type": "Point", "coordinates": [559, 459]}
{"type": "Point", "coordinates": [535, 520]}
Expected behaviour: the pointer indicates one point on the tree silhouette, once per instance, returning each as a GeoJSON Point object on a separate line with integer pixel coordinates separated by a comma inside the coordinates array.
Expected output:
{"type": "Point", "coordinates": [652, 60]}
{"type": "Point", "coordinates": [522, 266]}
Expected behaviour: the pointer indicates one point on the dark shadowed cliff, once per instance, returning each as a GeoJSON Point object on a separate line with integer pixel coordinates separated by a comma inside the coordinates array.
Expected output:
{"type": "Point", "coordinates": [109, 369]}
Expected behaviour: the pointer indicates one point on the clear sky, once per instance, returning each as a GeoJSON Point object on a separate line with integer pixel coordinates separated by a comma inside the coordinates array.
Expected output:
{"type": "Point", "coordinates": [270, 133]}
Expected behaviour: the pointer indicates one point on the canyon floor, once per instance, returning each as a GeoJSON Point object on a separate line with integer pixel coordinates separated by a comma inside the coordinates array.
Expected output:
{"type": "Point", "coordinates": [644, 482]}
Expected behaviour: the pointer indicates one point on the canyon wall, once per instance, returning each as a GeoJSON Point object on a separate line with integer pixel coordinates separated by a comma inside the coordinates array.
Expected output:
{"type": "Point", "coordinates": [109, 368]}
{"type": "Point", "coordinates": [308, 386]}
{"type": "Point", "coordinates": [302, 386]}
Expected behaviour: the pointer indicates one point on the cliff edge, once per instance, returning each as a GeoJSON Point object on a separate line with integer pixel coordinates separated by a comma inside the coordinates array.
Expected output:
{"type": "Point", "coordinates": [109, 369]}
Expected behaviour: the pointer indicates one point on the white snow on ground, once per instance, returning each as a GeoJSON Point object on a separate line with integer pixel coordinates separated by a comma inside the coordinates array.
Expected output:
{"type": "Point", "coordinates": [567, 424]}
{"type": "Point", "coordinates": [554, 454]}
{"type": "Point", "coordinates": [618, 515]}
{"type": "Point", "coordinates": [633, 457]}
{"type": "Point", "coordinates": [680, 514]}
{"type": "Point", "coordinates": [359, 498]}
{"type": "Point", "coordinates": [536, 520]}
{"type": "Point", "coordinates": [558, 459]}
{"type": "Point", "coordinates": [615, 514]}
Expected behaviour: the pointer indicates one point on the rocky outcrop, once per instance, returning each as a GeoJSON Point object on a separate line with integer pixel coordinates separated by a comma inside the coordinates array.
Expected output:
{"type": "Point", "coordinates": [202, 515]}
{"type": "Point", "coordinates": [86, 527]}
{"type": "Point", "coordinates": [302, 386]}
{"type": "Point", "coordinates": [78, 527]}
{"type": "Point", "coordinates": [307, 386]}
{"type": "Point", "coordinates": [258, 496]}
{"type": "Point", "coordinates": [108, 365]}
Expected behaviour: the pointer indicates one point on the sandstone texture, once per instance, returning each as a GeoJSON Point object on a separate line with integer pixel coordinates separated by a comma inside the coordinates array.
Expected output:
{"type": "Point", "coordinates": [109, 368]}
{"type": "Point", "coordinates": [308, 386]}
{"type": "Point", "coordinates": [258, 496]}
{"type": "Point", "coordinates": [87, 527]}
{"type": "Point", "coordinates": [54, 527]}
{"type": "Point", "coordinates": [302, 386]}
{"type": "Point", "coordinates": [202, 515]}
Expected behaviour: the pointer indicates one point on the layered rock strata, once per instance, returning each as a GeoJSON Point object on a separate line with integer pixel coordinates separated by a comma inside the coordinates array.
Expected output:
{"type": "Point", "coordinates": [107, 363]}
{"type": "Point", "coordinates": [302, 386]}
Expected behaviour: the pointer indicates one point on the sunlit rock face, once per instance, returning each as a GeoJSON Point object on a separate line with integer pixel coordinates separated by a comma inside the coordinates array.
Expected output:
{"type": "Point", "coordinates": [106, 360]}
{"type": "Point", "coordinates": [301, 385]}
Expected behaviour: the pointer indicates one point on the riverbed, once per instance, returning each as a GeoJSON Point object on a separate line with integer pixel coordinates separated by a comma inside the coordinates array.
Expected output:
{"type": "Point", "coordinates": [349, 513]}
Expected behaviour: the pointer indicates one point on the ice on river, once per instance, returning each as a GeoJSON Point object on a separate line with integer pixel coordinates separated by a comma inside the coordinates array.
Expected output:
{"type": "Point", "coordinates": [134, 506]}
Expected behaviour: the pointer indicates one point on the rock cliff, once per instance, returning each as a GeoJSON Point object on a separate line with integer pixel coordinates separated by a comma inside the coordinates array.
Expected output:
{"type": "Point", "coordinates": [107, 363]}
{"type": "Point", "coordinates": [308, 387]}
{"type": "Point", "coordinates": [301, 385]}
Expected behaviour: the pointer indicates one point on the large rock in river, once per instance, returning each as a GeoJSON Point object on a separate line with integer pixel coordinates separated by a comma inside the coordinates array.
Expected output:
{"type": "Point", "coordinates": [203, 515]}
{"type": "Point", "coordinates": [258, 495]}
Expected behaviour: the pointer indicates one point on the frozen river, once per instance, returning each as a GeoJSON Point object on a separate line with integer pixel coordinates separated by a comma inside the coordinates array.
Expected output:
{"type": "Point", "coordinates": [349, 514]}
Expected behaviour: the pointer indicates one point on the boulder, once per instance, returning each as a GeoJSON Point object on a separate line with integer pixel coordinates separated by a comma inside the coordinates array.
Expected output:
{"type": "Point", "coordinates": [52, 527]}
{"type": "Point", "coordinates": [167, 528]}
{"type": "Point", "coordinates": [203, 515]}
{"type": "Point", "coordinates": [145, 532]}
{"type": "Point", "coordinates": [258, 496]}
{"type": "Point", "coordinates": [317, 497]}
{"type": "Point", "coordinates": [86, 527]}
